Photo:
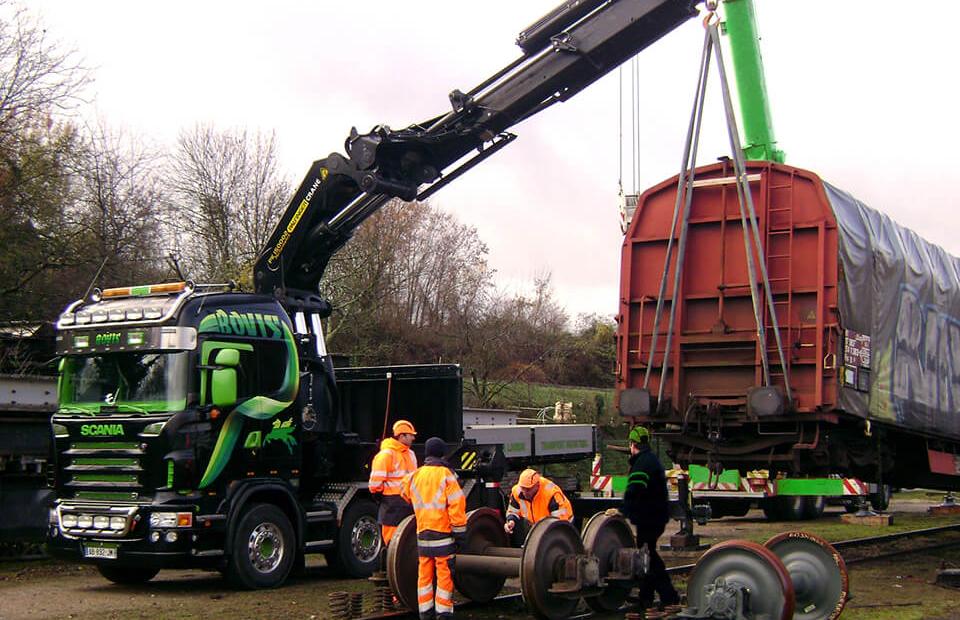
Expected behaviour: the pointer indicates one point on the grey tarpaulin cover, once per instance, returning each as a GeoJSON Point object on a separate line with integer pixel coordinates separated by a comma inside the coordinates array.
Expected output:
{"type": "Point", "coordinates": [899, 307]}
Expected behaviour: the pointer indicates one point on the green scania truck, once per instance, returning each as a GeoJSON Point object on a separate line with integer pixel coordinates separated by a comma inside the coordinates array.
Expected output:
{"type": "Point", "coordinates": [199, 425]}
{"type": "Point", "coordinates": [196, 427]}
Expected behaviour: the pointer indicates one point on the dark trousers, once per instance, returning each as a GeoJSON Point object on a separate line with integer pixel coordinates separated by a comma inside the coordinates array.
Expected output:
{"type": "Point", "coordinates": [657, 579]}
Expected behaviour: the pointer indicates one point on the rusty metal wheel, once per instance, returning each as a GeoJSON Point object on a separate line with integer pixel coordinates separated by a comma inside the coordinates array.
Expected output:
{"type": "Point", "coordinates": [603, 537]}
{"type": "Point", "coordinates": [549, 542]}
{"type": "Point", "coordinates": [402, 563]}
{"type": "Point", "coordinates": [818, 573]}
{"type": "Point", "coordinates": [741, 570]}
{"type": "Point", "coordinates": [484, 530]}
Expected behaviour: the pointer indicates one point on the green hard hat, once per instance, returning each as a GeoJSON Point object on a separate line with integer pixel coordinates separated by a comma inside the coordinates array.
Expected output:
{"type": "Point", "coordinates": [639, 434]}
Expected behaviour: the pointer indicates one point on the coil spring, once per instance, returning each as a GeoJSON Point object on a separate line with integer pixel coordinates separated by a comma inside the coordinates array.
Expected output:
{"type": "Point", "coordinates": [384, 596]}
{"type": "Point", "coordinates": [339, 605]}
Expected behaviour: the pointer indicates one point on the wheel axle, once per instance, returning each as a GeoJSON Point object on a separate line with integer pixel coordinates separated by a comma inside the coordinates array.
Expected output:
{"type": "Point", "coordinates": [557, 566]}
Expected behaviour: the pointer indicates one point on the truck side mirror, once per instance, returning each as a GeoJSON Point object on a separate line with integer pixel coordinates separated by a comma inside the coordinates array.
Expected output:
{"type": "Point", "coordinates": [224, 380]}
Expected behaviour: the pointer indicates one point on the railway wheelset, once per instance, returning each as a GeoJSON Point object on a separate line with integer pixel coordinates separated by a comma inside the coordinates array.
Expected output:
{"type": "Point", "coordinates": [795, 575]}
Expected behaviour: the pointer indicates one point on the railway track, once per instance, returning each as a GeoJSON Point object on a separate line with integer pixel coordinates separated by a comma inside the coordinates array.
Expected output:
{"type": "Point", "coordinates": [844, 546]}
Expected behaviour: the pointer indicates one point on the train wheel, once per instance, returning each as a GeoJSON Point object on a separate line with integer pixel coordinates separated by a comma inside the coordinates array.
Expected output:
{"type": "Point", "coordinates": [549, 542]}
{"type": "Point", "coordinates": [402, 563]}
{"type": "Point", "coordinates": [603, 537]}
{"type": "Point", "coordinates": [740, 570]}
{"type": "Point", "coordinates": [818, 573]}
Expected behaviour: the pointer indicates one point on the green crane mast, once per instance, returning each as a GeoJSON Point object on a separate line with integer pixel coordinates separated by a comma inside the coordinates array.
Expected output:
{"type": "Point", "coordinates": [740, 26]}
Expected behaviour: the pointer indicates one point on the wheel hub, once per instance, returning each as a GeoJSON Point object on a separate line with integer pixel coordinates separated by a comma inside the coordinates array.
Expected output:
{"type": "Point", "coordinates": [265, 547]}
{"type": "Point", "coordinates": [365, 539]}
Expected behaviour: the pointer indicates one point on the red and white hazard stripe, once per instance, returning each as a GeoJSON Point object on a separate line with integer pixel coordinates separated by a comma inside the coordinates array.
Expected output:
{"type": "Point", "coordinates": [599, 482]}
{"type": "Point", "coordinates": [852, 486]}
{"type": "Point", "coordinates": [717, 486]}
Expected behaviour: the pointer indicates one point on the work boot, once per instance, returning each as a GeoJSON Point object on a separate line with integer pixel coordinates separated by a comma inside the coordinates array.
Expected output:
{"type": "Point", "coordinates": [428, 615]}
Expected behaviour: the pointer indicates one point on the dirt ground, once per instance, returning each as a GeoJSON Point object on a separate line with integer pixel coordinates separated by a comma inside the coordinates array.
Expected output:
{"type": "Point", "coordinates": [901, 588]}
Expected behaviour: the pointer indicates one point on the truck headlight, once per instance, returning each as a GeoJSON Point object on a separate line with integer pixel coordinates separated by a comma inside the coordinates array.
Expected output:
{"type": "Point", "coordinates": [101, 522]}
{"type": "Point", "coordinates": [152, 430]}
{"type": "Point", "coordinates": [68, 521]}
{"type": "Point", "coordinates": [85, 521]}
{"type": "Point", "coordinates": [118, 523]}
{"type": "Point", "coordinates": [60, 431]}
{"type": "Point", "coordinates": [163, 519]}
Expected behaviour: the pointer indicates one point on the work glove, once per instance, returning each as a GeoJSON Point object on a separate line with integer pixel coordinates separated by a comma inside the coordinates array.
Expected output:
{"type": "Point", "coordinates": [509, 525]}
{"type": "Point", "coordinates": [612, 512]}
{"type": "Point", "coordinates": [459, 541]}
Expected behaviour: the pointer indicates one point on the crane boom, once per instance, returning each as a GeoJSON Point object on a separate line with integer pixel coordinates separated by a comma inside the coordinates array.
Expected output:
{"type": "Point", "coordinates": [562, 53]}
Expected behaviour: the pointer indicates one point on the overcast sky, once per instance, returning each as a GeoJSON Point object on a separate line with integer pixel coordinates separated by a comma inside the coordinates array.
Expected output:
{"type": "Point", "coordinates": [863, 93]}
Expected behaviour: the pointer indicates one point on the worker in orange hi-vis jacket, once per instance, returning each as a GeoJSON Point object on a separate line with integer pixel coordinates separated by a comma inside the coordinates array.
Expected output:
{"type": "Point", "coordinates": [440, 509]}
{"type": "Point", "coordinates": [390, 466]}
{"type": "Point", "coordinates": [534, 498]}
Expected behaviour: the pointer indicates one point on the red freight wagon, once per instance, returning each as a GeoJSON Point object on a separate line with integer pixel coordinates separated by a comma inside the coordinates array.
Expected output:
{"type": "Point", "coordinates": [868, 315]}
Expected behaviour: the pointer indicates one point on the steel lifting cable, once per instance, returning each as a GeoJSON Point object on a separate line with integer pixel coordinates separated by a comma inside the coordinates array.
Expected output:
{"type": "Point", "coordinates": [747, 211]}
{"type": "Point", "coordinates": [684, 197]}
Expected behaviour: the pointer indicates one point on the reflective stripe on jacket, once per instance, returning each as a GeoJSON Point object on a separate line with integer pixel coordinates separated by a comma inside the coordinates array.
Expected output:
{"type": "Point", "coordinates": [390, 466]}
{"type": "Point", "coordinates": [548, 502]}
{"type": "Point", "coordinates": [439, 506]}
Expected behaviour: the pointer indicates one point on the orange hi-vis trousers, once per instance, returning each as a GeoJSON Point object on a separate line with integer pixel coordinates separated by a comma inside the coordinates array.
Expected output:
{"type": "Point", "coordinates": [386, 533]}
{"type": "Point", "coordinates": [444, 591]}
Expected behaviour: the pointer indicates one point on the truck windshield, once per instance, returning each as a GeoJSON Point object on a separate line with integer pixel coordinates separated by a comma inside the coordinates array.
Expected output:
{"type": "Point", "coordinates": [139, 382]}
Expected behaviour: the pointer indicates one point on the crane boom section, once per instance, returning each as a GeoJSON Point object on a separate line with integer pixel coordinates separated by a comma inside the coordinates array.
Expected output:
{"type": "Point", "coordinates": [563, 53]}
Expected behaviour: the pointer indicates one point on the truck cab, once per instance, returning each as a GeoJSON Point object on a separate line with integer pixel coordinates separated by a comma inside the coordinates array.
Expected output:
{"type": "Point", "coordinates": [158, 387]}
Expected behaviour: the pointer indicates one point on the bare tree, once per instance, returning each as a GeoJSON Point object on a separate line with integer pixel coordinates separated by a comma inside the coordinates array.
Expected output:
{"type": "Point", "coordinates": [228, 193]}
{"type": "Point", "coordinates": [405, 277]}
{"type": "Point", "coordinates": [38, 78]}
{"type": "Point", "coordinates": [39, 81]}
{"type": "Point", "coordinates": [116, 207]}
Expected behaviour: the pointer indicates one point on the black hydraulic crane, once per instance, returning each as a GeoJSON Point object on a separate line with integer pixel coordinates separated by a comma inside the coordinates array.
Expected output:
{"type": "Point", "coordinates": [563, 52]}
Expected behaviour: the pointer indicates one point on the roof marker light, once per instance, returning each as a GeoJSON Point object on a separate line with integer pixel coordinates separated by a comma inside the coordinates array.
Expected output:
{"type": "Point", "coordinates": [144, 291]}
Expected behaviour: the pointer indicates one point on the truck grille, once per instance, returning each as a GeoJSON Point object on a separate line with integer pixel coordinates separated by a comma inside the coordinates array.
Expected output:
{"type": "Point", "coordinates": [104, 470]}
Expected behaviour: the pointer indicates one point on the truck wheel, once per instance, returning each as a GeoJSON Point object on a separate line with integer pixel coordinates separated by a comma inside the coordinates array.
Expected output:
{"type": "Point", "coordinates": [787, 507]}
{"type": "Point", "coordinates": [357, 553]}
{"type": "Point", "coordinates": [772, 508]}
{"type": "Point", "coordinates": [724, 507]}
{"type": "Point", "coordinates": [813, 507]}
{"type": "Point", "coordinates": [881, 499]}
{"type": "Point", "coordinates": [127, 575]}
{"type": "Point", "coordinates": [263, 548]}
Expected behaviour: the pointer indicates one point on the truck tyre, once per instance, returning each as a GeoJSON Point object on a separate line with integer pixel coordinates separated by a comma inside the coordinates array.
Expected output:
{"type": "Point", "coordinates": [881, 499]}
{"type": "Point", "coordinates": [357, 553]}
{"type": "Point", "coordinates": [772, 508]}
{"type": "Point", "coordinates": [127, 575]}
{"type": "Point", "coordinates": [264, 548]}
{"type": "Point", "coordinates": [813, 507]}
{"type": "Point", "coordinates": [726, 507]}
{"type": "Point", "coordinates": [790, 507]}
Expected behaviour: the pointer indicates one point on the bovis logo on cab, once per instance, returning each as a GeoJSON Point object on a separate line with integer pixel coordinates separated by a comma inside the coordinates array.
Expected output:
{"type": "Point", "coordinates": [101, 430]}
